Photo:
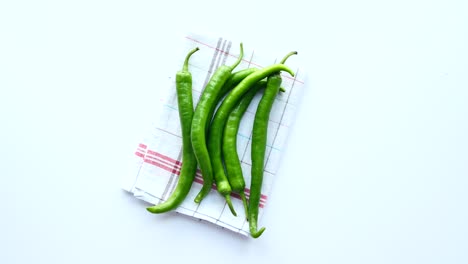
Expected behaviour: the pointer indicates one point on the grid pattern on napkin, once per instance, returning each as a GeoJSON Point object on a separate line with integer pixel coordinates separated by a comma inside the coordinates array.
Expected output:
{"type": "Point", "coordinates": [157, 159]}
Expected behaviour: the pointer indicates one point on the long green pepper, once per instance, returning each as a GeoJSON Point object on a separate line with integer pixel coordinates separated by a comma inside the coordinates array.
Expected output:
{"type": "Point", "coordinates": [233, 80]}
{"type": "Point", "coordinates": [219, 121]}
{"type": "Point", "coordinates": [230, 155]}
{"type": "Point", "coordinates": [259, 138]}
{"type": "Point", "coordinates": [199, 122]}
{"type": "Point", "coordinates": [189, 162]}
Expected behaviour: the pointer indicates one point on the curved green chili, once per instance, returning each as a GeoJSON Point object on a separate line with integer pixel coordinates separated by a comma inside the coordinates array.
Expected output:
{"type": "Point", "coordinates": [206, 103]}
{"type": "Point", "coordinates": [219, 121]}
{"type": "Point", "coordinates": [230, 155]}
{"type": "Point", "coordinates": [233, 80]}
{"type": "Point", "coordinates": [189, 162]}
{"type": "Point", "coordinates": [259, 138]}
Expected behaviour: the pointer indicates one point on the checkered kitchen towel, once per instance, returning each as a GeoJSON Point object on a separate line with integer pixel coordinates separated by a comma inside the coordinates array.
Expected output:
{"type": "Point", "coordinates": [157, 158]}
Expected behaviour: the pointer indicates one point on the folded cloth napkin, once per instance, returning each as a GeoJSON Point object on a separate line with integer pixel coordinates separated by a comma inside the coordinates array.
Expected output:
{"type": "Point", "coordinates": [157, 159]}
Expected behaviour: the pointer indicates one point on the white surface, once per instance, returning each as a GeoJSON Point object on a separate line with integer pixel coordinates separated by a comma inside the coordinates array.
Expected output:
{"type": "Point", "coordinates": [380, 144]}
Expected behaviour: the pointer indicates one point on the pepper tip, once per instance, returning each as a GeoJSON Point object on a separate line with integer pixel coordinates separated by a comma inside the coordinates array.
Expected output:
{"type": "Point", "coordinates": [258, 233]}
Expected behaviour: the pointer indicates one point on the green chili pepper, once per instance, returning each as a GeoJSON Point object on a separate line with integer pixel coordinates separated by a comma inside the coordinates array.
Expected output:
{"type": "Point", "coordinates": [204, 107]}
{"type": "Point", "coordinates": [233, 80]}
{"type": "Point", "coordinates": [231, 158]}
{"type": "Point", "coordinates": [259, 138]}
{"type": "Point", "coordinates": [219, 121]}
{"type": "Point", "coordinates": [189, 162]}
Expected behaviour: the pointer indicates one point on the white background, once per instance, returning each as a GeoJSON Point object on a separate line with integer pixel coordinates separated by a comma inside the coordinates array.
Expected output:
{"type": "Point", "coordinates": [376, 169]}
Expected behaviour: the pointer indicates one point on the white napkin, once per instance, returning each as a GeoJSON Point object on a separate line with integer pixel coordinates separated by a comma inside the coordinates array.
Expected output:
{"type": "Point", "coordinates": [157, 158]}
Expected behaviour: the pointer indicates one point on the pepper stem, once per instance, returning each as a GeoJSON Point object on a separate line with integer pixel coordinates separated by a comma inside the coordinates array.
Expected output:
{"type": "Point", "coordinates": [229, 203]}
{"type": "Point", "coordinates": [239, 59]}
{"type": "Point", "coordinates": [185, 67]}
{"type": "Point", "coordinates": [287, 56]}
{"type": "Point", "coordinates": [281, 89]}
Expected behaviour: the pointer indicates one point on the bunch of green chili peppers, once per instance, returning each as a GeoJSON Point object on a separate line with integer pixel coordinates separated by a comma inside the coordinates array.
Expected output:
{"type": "Point", "coordinates": [209, 138]}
